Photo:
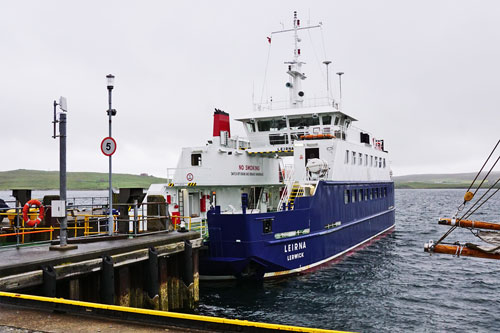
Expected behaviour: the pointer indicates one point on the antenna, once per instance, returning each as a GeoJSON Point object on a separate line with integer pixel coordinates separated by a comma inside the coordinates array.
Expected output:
{"type": "Point", "coordinates": [327, 62]}
{"type": "Point", "coordinates": [340, 86]}
{"type": "Point", "coordinates": [295, 66]}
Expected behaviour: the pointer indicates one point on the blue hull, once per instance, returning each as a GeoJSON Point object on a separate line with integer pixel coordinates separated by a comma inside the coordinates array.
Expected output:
{"type": "Point", "coordinates": [338, 218]}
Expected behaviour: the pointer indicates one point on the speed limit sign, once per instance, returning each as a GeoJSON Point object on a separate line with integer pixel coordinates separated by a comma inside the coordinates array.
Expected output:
{"type": "Point", "coordinates": [108, 146]}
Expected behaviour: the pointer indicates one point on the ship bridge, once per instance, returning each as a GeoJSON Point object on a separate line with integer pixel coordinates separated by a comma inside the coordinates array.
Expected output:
{"type": "Point", "coordinates": [274, 132]}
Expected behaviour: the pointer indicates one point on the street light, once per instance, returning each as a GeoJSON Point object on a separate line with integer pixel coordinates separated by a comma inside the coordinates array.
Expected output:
{"type": "Point", "coordinates": [111, 82]}
{"type": "Point", "coordinates": [340, 86]}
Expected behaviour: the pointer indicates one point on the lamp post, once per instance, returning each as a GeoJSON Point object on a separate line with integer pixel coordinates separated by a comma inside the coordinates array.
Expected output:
{"type": "Point", "coordinates": [111, 81]}
{"type": "Point", "coordinates": [340, 86]}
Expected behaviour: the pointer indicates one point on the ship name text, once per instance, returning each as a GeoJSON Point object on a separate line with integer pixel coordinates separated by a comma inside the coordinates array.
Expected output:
{"type": "Point", "coordinates": [292, 248]}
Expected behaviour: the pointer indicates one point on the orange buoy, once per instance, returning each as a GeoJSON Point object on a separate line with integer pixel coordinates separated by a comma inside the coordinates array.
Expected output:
{"type": "Point", "coordinates": [26, 208]}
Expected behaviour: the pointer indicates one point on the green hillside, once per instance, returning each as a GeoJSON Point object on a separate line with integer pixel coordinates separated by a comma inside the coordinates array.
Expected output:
{"type": "Point", "coordinates": [458, 180]}
{"type": "Point", "coordinates": [46, 180]}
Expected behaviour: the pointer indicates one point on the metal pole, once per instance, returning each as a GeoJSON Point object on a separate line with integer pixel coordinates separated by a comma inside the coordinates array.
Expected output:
{"type": "Point", "coordinates": [62, 176]}
{"type": "Point", "coordinates": [110, 218]}
{"type": "Point", "coordinates": [340, 86]}
{"type": "Point", "coordinates": [136, 221]}
{"type": "Point", "coordinates": [327, 62]}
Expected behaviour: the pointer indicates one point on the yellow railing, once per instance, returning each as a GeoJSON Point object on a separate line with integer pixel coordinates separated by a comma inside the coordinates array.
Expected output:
{"type": "Point", "coordinates": [89, 227]}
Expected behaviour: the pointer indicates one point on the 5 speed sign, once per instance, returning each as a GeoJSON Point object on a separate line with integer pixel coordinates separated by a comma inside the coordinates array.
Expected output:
{"type": "Point", "coordinates": [108, 146]}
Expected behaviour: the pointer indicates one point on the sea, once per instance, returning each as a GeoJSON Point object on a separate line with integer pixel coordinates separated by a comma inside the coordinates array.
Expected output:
{"type": "Point", "coordinates": [392, 285]}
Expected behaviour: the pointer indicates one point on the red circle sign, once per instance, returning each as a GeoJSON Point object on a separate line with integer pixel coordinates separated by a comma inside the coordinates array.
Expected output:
{"type": "Point", "coordinates": [108, 146]}
{"type": "Point", "coordinates": [189, 176]}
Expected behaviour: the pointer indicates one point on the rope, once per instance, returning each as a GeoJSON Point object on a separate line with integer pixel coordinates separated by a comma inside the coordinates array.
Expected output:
{"type": "Point", "coordinates": [467, 214]}
{"type": "Point", "coordinates": [470, 186]}
{"type": "Point", "coordinates": [460, 208]}
{"type": "Point", "coordinates": [466, 217]}
{"type": "Point", "coordinates": [486, 175]}
{"type": "Point", "coordinates": [446, 234]}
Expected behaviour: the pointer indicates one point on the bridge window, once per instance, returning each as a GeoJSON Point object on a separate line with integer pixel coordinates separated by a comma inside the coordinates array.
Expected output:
{"type": "Point", "coordinates": [337, 120]}
{"type": "Point", "coordinates": [366, 159]}
{"type": "Point", "coordinates": [360, 159]}
{"type": "Point", "coordinates": [250, 127]}
{"type": "Point", "coordinates": [299, 123]}
{"type": "Point", "coordinates": [346, 157]}
{"type": "Point", "coordinates": [354, 157]}
{"type": "Point", "coordinates": [327, 120]}
{"type": "Point", "coordinates": [272, 125]}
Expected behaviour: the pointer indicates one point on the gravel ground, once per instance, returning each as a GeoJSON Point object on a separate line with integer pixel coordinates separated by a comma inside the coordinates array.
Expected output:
{"type": "Point", "coordinates": [21, 320]}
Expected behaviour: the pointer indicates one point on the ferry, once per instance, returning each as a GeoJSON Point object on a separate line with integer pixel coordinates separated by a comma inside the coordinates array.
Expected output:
{"type": "Point", "coordinates": [304, 187]}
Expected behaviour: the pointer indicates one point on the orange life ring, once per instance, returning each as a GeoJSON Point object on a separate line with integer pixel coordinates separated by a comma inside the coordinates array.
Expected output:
{"type": "Point", "coordinates": [26, 208]}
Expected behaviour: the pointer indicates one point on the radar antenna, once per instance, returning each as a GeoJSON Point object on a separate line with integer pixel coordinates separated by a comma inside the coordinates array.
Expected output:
{"type": "Point", "coordinates": [295, 66]}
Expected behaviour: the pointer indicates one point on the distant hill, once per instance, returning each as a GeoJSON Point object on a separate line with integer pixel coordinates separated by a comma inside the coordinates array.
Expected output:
{"type": "Point", "coordinates": [453, 180]}
{"type": "Point", "coordinates": [47, 180]}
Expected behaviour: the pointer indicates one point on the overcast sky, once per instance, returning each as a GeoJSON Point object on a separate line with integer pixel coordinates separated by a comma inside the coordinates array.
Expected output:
{"type": "Point", "coordinates": [423, 75]}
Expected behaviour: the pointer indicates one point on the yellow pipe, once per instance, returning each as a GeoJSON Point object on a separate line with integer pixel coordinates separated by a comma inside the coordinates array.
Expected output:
{"type": "Point", "coordinates": [167, 314]}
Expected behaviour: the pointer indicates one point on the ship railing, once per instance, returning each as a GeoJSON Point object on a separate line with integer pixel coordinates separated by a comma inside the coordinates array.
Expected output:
{"type": "Point", "coordinates": [285, 104]}
{"type": "Point", "coordinates": [271, 140]}
{"type": "Point", "coordinates": [289, 181]}
{"type": "Point", "coordinates": [236, 142]}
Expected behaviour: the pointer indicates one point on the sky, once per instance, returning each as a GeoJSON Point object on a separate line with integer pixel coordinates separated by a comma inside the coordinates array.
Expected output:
{"type": "Point", "coordinates": [422, 75]}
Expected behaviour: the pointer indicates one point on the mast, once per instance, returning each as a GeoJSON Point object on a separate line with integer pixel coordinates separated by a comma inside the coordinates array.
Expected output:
{"type": "Point", "coordinates": [295, 66]}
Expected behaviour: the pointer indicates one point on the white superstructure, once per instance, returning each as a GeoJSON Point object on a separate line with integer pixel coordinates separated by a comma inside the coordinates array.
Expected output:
{"type": "Point", "coordinates": [290, 144]}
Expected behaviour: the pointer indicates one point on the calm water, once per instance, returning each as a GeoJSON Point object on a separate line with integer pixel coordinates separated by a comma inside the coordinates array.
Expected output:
{"type": "Point", "coordinates": [391, 285]}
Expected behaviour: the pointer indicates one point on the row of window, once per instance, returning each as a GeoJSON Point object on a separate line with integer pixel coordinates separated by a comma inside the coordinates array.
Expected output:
{"type": "Point", "coordinates": [368, 160]}
{"type": "Point", "coordinates": [280, 124]}
{"type": "Point", "coordinates": [364, 194]}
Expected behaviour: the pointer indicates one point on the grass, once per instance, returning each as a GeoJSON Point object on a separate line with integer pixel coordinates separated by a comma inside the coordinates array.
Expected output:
{"type": "Point", "coordinates": [47, 180]}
